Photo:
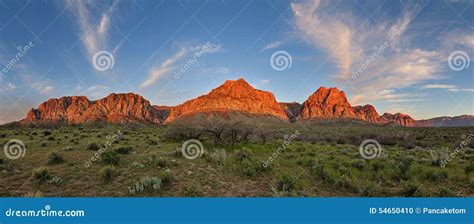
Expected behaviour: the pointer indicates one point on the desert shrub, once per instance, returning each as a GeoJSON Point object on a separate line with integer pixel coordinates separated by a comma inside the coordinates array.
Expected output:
{"type": "Point", "coordinates": [162, 162]}
{"type": "Point", "coordinates": [137, 165]}
{"type": "Point", "coordinates": [343, 181]}
{"type": "Point", "coordinates": [183, 132]}
{"type": "Point", "coordinates": [358, 164]}
{"type": "Point", "coordinates": [146, 185]}
{"type": "Point", "coordinates": [68, 148]}
{"type": "Point", "coordinates": [152, 142]}
{"type": "Point", "coordinates": [306, 161]}
{"type": "Point", "coordinates": [242, 154]}
{"type": "Point", "coordinates": [286, 183]}
{"type": "Point", "coordinates": [469, 168]}
{"type": "Point", "coordinates": [446, 192]}
{"type": "Point", "coordinates": [3, 135]}
{"type": "Point", "coordinates": [378, 165]}
{"type": "Point", "coordinates": [93, 146]}
{"type": "Point", "coordinates": [110, 157]}
{"type": "Point", "coordinates": [41, 174]}
{"type": "Point", "coordinates": [124, 150]}
{"type": "Point", "coordinates": [107, 173]}
{"type": "Point", "coordinates": [386, 139]}
{"type": "Point", "coordinates": [46, 133]}
{"type": "Point", "coordinates": [154, 160]}
{"type": "Point", "coordinates": [192, 190]}
{"type": "Point", "coordinates": [50, 138]}
{"type": "Point", "coordinates": [55, 180]}
{"type": "Point", "coordinates": [249, 167]}
{"type": "Point", "coordinates": [166, 177]}
{"type": "Point", "coordinates": [436, 175]}
{"type": "Point", "coordinates": [218, 156]}
{"type": "Point", "coordinates": [55, 158]}
{"type": "Point", "coordinates": [2, 161]}
{"type": "Point", "coordinates": [404, 167]}
{"type": "Point", "coordinates": [370, 189]}
{"type": "Point", "coordinates": [411, 189]}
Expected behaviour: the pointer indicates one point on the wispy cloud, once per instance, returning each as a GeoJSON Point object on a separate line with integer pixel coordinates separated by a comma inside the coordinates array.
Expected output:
{"type": "Point", "coordinates": [93, 30]}
{"type": "Point", "coordinates": [272, 45]}
{"type": "Point", "coordinates": [461, 90]}
{"type": "Point", "coordinates": [8, 87]}
{"type": "Point", "coordinates": [438, 86]}
{"type": "Point", "coordinates": [169, 65]}
{"type": "Point", "coordinates": [45, 89]}
{"type": "Point", "coordinates": [163, 69]}
{"type": "Point", "coordinates": [354, 44]}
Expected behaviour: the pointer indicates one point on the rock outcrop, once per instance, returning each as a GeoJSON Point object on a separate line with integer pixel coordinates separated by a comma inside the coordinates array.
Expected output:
{"type": "Point", "coordinates": [398, 119]}
{"type": "Point", "coordinates": [114, 108]}
{"type": "Point", "coordinates": [232, 97]}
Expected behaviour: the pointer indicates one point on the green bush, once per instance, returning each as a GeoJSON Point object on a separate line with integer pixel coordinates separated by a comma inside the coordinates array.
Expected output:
{"type": "Point", "coordinates": [436, 174]}
{"type": "Point", "coordinates": [469, 168]}
{"type": "Point", "coordinates": [286, 183]}
{"type": "Point", "coordinates": [446, 192]}
{"type": "Point", "coordinates": [55, 158]}
{"type": "Point", "coordinates": [250, 168]}
{"type": "Point", "coordinates": [41, 174]}
{"type": "Point", "coordinates": [46, 133]}
{"type": "Point", "coordinates": [93, 146]}
{"type": "Point", "coordinates": [370, 190]}
{"type": "Point", "coordinates": [411, 189]}
{"type": "Point", "coordinates": [166, 177]}
{"type": "Point", "coordinates": [137, 165]}
{"type": "Point", "coordinates": [124, 150]}
{"type": "Point", "coordinates": [146, 185]}
{"type": "Point", "coordinates": [192, 191]}
{"type": "Point", "coordinates": [107, 173]}
{"type": "Point", "coordinates": [110, 157]}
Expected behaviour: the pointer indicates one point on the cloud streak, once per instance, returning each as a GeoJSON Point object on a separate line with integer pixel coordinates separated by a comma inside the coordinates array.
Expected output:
{"type": "Point", "coordinates": [168, 65]}
{"type": "Point", "coordinates": [93, 33]}
{"type": "Point", "coordinates": [350, 42]}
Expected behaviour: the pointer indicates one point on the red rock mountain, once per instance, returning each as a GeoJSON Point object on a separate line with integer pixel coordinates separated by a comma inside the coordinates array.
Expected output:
{"type": "Point", "coordinates": [232, 96]}
{"type": "Point", "coordinates": [237, 96]}
{"type": "Point", "coordinates": [78, 109]}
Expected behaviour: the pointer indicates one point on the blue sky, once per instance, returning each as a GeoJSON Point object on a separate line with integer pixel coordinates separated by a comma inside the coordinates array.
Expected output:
{"type": "Point", "coordinates": [395, 55]}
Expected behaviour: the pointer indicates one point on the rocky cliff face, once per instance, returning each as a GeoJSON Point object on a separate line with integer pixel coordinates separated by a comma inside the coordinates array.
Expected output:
{"type": "Point", "coordinates": [237, 96]}
{"type": "Point", "coordinates": [232, 96]}
{"type": "Point", "coordinates": [327, 103]}
{"type": "Point", "coordinates": [114, 108]}
{"type": "Point", "coordinates": [332, 103]}
{"type": "Point", "coordinates": [398, 119]}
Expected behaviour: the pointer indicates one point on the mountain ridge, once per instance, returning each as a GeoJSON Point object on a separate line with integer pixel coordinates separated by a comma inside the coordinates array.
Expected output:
{"type": "Point", "coordinates": [232, 96]}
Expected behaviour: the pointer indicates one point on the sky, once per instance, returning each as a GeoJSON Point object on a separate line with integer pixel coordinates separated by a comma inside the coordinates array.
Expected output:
{"type": "Point", "coordinates": [403, 56]}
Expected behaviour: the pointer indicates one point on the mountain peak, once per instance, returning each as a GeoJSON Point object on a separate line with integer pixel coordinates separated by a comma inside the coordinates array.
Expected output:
{"type": "Point", "coordinates": [233, 95]}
